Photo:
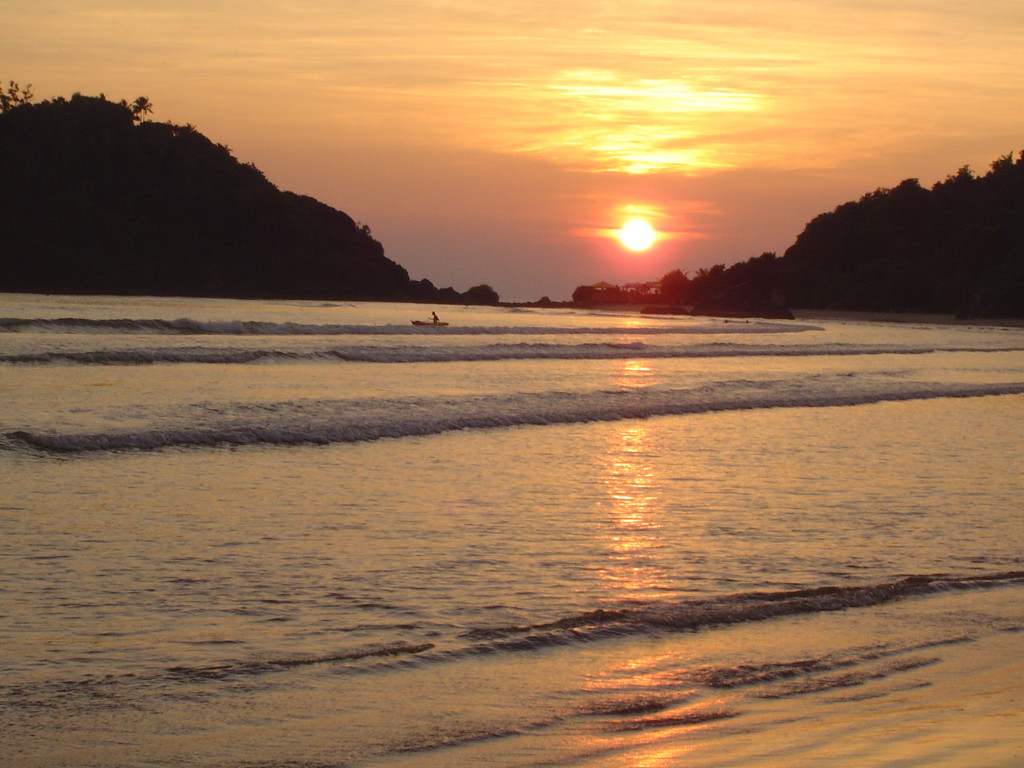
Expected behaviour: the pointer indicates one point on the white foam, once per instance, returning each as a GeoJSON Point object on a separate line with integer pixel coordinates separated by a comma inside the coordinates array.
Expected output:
{"type": "Point", "coordinates": [347, 421]}
{"type": "Point", "coordinates": [473, 353]}
{"type": "Point", "coordinates": [188, 326]}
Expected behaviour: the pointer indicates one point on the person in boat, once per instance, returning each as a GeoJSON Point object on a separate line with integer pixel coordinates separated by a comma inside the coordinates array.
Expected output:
{"type": "Point", "coordinates": [434, 318]}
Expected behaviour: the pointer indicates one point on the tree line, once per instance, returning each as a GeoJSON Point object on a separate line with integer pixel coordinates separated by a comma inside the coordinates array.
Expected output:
{"type": "Point", "coordinates": [748, 288]}
{"type": "Point", "coordinates": [956, 248]}
{"type": "Point", "coordinates": [95, 198]}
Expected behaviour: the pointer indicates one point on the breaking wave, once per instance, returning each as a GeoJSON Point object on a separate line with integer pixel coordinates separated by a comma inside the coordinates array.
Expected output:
{"type": "Point", "coordinates": [693, 615]}
{"type": "Point", "coordinates": [347, 421]}
{"type": "Point", "coordinates": [188, 326]}
{"type": "Point", "coordinates": [674, 701]}
{"type": "Point", "coordinates": [478, 353]}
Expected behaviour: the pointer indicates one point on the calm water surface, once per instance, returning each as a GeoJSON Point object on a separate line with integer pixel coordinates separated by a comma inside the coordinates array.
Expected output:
{"type": "Point", "coordinates": [298, 534]}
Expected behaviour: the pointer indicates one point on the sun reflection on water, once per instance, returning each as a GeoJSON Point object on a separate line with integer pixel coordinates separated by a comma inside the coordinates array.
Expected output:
{"type": "Point", "coordinates": [632, 531]}
{"type": "Point", "coordinates": [647, 712]}
{"type": "Point", "coordinates": [635, 374]}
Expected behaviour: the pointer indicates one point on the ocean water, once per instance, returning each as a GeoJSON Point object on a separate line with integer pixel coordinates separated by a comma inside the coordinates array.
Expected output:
{"type": "Point", "coordinates": [306, 534]}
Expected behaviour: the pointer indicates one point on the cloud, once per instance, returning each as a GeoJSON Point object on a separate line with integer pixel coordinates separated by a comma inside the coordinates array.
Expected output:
{"type": "Point", "coordinates": [642, 87]}
{"type": "Point", "coordinates": [434, 120]}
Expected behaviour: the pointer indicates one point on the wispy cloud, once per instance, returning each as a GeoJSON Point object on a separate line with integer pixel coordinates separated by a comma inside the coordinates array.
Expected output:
{"type": "Point", "coordinates": [647, 86]}
{"type": "Point", "coordinates": [667, 86]}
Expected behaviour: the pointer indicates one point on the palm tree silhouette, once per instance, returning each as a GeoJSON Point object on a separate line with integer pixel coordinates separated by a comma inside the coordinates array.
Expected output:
{"type": "Point", "coordinates": [140, 108]}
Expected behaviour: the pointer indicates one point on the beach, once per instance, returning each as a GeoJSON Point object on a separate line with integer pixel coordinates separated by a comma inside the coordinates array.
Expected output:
{"type": "Point", "coordinates": [313, 534]}
{"type": "Point", "coordinates": [907, 317]}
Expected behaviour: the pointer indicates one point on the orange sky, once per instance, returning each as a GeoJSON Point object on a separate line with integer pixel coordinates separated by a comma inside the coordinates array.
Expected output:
{"type": "Point", "coordinates": [505, 142]}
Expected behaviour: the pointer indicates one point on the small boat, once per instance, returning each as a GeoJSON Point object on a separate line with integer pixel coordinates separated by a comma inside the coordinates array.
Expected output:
{"type": "Point", "coordinates": [428, 322]}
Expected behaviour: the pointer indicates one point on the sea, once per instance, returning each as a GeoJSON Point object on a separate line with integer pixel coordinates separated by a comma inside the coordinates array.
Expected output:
{"type": "Point", "coordinates": [292, 534]}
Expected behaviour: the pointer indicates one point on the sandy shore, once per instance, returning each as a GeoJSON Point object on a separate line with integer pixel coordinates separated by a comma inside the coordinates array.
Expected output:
{"type": "Point", "coordinates": [876, 317]}
{"type": "Point", "coordinates": [903, 317]}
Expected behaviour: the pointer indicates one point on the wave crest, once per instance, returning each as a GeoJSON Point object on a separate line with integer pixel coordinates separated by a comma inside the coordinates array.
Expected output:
{"type": "Point", "coordinates": [189, 326]}
{"type": "Point", "coordinates": [476, 353]}
{"type": "Point", "coordinates": [347, 421]}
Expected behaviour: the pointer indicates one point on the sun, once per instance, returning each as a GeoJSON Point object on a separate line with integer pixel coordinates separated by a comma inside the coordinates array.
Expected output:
{"type": "Point", "coordinates": [637, 235]}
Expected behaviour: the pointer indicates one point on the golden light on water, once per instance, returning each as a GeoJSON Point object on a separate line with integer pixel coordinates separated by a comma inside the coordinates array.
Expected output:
{"type": "Point", "coordinates": [677, 727]}
{"type": "Point", "coordinates": [635, 373]}
{"type": "Point", "coordinates": [632, 531]}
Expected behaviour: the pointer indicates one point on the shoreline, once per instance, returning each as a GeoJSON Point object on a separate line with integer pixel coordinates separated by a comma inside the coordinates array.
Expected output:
{"type": "Point", "coordinates": [905, 317]}
{"type": "Point", "coordinates": [803, 315]}
{"type": "Point", "coordinates": [823, 314]}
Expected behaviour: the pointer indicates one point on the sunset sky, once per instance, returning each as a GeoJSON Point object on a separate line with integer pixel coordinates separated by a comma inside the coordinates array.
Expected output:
{"type": "Point", "coordinates": [506, 142]}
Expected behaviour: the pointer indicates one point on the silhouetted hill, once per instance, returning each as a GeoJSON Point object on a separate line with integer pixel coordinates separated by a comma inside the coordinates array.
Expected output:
{"type": "Point", "coordinates": [94, 201]}
{"type": "Point", "coordinates": [955, 248]}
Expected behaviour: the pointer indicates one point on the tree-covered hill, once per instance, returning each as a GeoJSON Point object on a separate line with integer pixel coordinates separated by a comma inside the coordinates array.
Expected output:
{"type": "Point", "coordinates": [955, 248]}
{"type": "Point", "coordinates": [93, 199]}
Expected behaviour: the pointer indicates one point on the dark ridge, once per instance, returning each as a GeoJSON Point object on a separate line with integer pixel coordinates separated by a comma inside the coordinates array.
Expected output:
{"type": "Point", "coordinates": [96, 200]}
{"type": "Point", "coordinates": [954, 249]}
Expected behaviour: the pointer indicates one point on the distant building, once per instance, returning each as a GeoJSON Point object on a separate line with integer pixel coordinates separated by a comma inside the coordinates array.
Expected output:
{"type": "Point", "coordinates": [643, 289]}
{"type": "Point", "coordinates": [606, 293]}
